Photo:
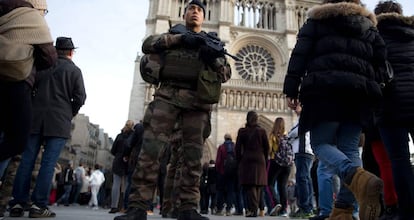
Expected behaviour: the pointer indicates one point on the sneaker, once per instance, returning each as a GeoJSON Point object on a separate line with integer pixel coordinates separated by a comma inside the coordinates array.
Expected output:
{"type": "Point", "coordinates": [95, 208]}
{"type": "Point", "coordinates": [36, 212]}
{"type": "Point", "coordinates": [301, 214]}
{"type": "Point", "coordinates": [190, 215]}
{"type": "Point", "coordinates": [275, 210]}
{"type": "Point", "coordinates": [228, 213]}
{"type": "Point", "coordinates": [219, 213]}
{"type": "Point", "coordinates": [16, 211]}
{"type": "Point", "coordinates": [113, 210]}
{"type": "Point", "coordinates": [149, 212]}
{"type": "Point", "coordinates": [283, 213]}
{"type": "Point", "coordinates": [133, 214]}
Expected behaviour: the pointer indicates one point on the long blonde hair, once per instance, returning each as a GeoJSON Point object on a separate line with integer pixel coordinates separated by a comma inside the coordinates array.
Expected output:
{"type": "Point", "coordinates": [129, 125]}
{"type": "Point", "coordinates": [278, 127]}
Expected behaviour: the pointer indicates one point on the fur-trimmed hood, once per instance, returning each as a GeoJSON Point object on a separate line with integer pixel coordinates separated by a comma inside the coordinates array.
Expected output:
{"type": "Point", "coordinates": [342, 9]}
{"type": "Point", "coordinates": [396, 25]}
{"type": "Point", "coordinates": [397, 18]}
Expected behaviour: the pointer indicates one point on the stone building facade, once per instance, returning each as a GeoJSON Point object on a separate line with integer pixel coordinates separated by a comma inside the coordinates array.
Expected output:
{"type": "Point", "coordinates": [88, 144]}
{"type": "Point", "coordinates": [262, 34]}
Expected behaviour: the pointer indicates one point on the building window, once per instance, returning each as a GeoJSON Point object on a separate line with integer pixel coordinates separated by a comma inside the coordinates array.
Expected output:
{"type": "Point", "coordinates": [255, 64]}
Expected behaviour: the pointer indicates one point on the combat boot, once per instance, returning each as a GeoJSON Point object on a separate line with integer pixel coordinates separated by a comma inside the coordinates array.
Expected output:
{"type": "Point", "coordinates": [367, 189]}
{"type": "Point", "coordinates": [133, 214]}
{"type": "Point", "coordinates": [190, 215]}
{"type": "Point", "coordinates": [341, 214]}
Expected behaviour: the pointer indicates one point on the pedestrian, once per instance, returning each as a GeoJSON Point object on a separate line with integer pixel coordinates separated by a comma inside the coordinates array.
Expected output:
{"type": "Point", "coordinates": [291, 197]}
{"type": "Point", "coordinates": [22, 22]}
{"type": "Point", "coordinates": [179, 98]}
{"type": "Point", "coordinates": [59, 94]}
{"type": "Point", "coordinates": [303, 161]}
{"type": "Point", "coordinates": [278, 174]}
{"type": "Point", "coordinates": [226, 176]}
{"type": "Point", "coordinates": [120, 164]}
{"type": "Point", "coordinates": [398, 117]}
{"type": "Point", "coordinates": [95, 181]}
{"type": "Point", "coordinates": [252, 150]}
{"type": "Point", "coordinates": [79, 176]}
{"type": "Point", "coordinates": [339, 64]}
{"type": "Point", "coordinates": [68, 181]}
{"type": "Point", "coordinates": [131, 155]}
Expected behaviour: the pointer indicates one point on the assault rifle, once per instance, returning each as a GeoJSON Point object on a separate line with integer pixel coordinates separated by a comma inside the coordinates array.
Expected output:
{"type": "Point", "coordinates": [209, 39]}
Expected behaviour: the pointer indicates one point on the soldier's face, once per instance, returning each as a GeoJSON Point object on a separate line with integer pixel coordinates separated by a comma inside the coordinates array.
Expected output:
{"type": "Point", "coordinates": [194, 16]}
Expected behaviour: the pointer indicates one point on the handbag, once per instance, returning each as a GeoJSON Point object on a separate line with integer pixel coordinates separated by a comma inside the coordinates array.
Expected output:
{"type": "Point", "coordinates": [16, 60]}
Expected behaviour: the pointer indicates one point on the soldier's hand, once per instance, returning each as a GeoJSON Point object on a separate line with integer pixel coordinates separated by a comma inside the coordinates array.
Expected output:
{"type": "Point", "coordinates": [208, 55]}
{"type": "Point", "coordinates": [191, 40]}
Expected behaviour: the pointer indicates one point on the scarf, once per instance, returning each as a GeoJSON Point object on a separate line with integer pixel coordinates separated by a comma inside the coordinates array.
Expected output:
{"type": "Point", "coordinates": [25, 25]}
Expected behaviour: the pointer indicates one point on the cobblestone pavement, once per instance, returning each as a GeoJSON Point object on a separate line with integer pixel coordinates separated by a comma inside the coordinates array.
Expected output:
{"type": "Point", "coordinates": [85, 213]}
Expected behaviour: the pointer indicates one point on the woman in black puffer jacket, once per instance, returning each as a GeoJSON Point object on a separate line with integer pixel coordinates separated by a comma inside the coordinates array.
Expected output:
{"type": "Point", "coordinates": [338, 63]}
{"type": "Point", "coordinates": [398, 112]}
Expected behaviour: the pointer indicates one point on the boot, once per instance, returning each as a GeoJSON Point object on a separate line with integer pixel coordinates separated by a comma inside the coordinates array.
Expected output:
{"type": "Point", "coordinates": [341, 214]}
{"type": "Point", "coordinates": [367, 189]}
{"type": "Point", "coordinates": [190, 215]}
{"type": "Point", "coordinates": [390, 213]}
{"type": "Point", "coordinates": [133, 214]}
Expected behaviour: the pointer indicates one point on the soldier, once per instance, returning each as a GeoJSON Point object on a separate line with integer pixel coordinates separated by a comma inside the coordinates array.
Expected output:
{"type": "Point", "coordinates": [179, 98]}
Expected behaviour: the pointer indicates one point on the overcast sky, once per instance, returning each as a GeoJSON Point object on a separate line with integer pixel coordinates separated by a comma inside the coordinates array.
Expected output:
{"type": "Point", "coordinates": [109, 36]}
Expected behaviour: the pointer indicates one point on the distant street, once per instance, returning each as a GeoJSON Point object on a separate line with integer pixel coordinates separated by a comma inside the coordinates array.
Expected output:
{"type": "Point", "coordinates": [84, 213]}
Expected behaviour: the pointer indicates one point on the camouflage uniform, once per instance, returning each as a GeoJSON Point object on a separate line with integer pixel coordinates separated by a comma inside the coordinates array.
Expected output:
{"type": "Point", "coordinates": [175, 101]}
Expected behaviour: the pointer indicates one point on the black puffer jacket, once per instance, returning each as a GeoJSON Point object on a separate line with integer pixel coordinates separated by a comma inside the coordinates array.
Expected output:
{"type": "Point", "coordinates": [398, 34]}
{"type": "Point", "coordinates": [336, 62]}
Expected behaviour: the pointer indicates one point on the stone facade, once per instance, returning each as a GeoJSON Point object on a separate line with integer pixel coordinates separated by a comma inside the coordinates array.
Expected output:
{"type": "Point", "coordinates": [262, 34]}
{"type": "Point", "coordinates": [88, 144]}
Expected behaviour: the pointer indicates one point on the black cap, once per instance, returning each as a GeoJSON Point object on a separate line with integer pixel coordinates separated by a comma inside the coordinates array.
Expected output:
{"type": "Point", "coordinates": [199, 3]}
{"type": "Point", "coordinates": [64, 43]}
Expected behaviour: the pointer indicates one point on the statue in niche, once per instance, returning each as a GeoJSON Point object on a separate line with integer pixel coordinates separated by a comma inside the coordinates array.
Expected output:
{"type": "Point", "coordinates": [253, 100]}
{"type": "Point", "coordinates": [268, 101]}
{"type": "Point", "coordinates": [223, 98]}
{"type": "Point", "coordinates": [275, 106]}
{"type": "Point", "coordinates": [246, 100]}
{"type": "Point", "coordinates": [281, 102]}
{"type": "Point", "coordinates": [261, 99]}
{"type": "Point", "coordinates": [238, 100]}
{"type": "Point", "coordinates": [231, 103]}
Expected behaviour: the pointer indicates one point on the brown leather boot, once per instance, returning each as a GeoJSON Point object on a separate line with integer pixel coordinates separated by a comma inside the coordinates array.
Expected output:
{"type": "Point", "coordinates": [341, 214]}
{"type": "Point", "coordinates": [367, 189]}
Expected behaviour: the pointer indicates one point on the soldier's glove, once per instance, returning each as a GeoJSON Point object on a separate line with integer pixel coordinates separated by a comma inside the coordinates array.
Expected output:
{"type": "Point", "coordinates": [208, 55]}
{"type": "Point", "coordinates": [191, 40]}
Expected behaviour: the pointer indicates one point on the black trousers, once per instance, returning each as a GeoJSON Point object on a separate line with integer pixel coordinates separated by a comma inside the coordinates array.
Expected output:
{"type": "Point", "coordinates": [15, 117]}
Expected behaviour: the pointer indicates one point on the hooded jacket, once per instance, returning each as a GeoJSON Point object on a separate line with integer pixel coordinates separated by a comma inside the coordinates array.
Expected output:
{"type": "Point", "coordinates": [398, 34]}
{"type": "Point", "coordinates": [337, 62]}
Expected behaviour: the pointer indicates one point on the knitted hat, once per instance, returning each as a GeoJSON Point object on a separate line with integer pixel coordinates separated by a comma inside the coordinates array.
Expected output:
{"type": "Point", "coordinates": [199, 3]}
{"type": "Point", "coordinates": [38, 4]}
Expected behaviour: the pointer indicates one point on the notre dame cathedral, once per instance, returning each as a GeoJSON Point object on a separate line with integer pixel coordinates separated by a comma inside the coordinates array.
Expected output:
{"type": "Point", "coordinates": [262, 33]}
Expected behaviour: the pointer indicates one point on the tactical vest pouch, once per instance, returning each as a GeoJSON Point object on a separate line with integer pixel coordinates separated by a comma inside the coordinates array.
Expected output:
{"type": "Point", "coordinates": [181, 65]}
{"type": "Point", "coordinates": [150, 67]}
{"type": "Point", "coordinates": [208, 87]}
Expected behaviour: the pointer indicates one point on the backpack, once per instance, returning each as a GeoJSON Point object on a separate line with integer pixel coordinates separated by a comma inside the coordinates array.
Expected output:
{"type": "Point", "coordinates": [284, 155]}
{"type": "Point", "coordinates": [230, 163]}
{"type": "Point", "coordinates": [16, 60]}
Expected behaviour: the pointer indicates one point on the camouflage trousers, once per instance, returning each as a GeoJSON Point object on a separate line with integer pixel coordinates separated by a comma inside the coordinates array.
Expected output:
{"type": "Point", "coordinates": [159, 121]}
{"type": "Point", "coordinates": [171, 198]}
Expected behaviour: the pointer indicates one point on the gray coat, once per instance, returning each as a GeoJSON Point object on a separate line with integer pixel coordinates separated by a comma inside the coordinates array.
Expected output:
{"type": "Point", "coordinates": [59, 93]}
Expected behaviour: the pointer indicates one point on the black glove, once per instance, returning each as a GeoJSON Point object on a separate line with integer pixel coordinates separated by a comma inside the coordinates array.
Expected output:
{"type": "Point", "coordinates": [191, 40]}
{"type": "Point", "coordinates": [208, 55]}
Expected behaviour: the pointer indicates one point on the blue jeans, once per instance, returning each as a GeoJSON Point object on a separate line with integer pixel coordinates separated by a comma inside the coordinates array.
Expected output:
{"type": "Point", "coordinates": [41, 191]}
{"type": "Point", "coordinates": [336, 145]}
{"type": "Point", "coordinates": [396, 143]}
{"type": "Point", "coordinates": [65, 197]}
{"type": "Point", "coordinates": [326, 190]}
{"type": "Point", "coordinates": [303, 162]}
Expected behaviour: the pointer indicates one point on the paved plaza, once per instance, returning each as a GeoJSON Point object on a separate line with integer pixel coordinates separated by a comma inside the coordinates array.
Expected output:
{"type": "Point", "coordinates": [85, 213]}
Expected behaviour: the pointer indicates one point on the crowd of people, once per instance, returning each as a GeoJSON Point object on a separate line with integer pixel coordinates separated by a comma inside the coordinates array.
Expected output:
{"type": "Point", "coordinates": [350, 80]}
